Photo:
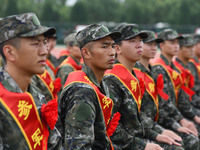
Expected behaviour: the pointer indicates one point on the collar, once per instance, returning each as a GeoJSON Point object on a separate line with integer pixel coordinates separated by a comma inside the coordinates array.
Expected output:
{"type": "Point", "coordinates": [164, 59]}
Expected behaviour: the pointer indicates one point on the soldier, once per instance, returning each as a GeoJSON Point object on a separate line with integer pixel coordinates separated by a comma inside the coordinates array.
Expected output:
{"type": "Point", "coordinates": [150, 101]}
{"type": "Point", "coordinates": [194, 67]}
{"type": "Point", "coordinates": [72, 62]}
{"type": "Point", "coordinates": [25, 118]}
{"type": "Point", "coordinates": [126, 93]}
{"type": "Point", "coordinates": [173, 86]}
{"type": "Point", "coordinates": [52, 61]}
{"type": "Point", "coordinates": [85, 107]}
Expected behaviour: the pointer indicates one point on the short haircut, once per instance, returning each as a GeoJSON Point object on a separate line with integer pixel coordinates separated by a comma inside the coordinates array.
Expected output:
{"type": "Point", "coordinates": [14, 42]}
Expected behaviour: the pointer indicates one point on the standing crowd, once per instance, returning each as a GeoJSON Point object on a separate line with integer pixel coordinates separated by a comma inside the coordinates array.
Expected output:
{"type": "Point", "coordinates": [103, 93]}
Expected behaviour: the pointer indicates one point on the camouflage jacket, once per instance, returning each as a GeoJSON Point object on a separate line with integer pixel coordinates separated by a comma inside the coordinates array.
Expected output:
{"type": "Point", "coordinates": [11, 136]}
{"type": "Point", "coordinates": [130, 128]}
{"type": "Point", "coordinates": [42, 86]}
{"type": "Point", "coordinates": [65, 69]}
{"type": "Point", "coordinates": [167, 118]}
{"type": "Point", "coordinates": [191, 66]}
{"type": "Point", "coordinates": [81, 115]}
{"type": "Point", "coordinates": [184, 104]}
{"type": "Point", "coordinates": [148, 108]}
{"type": "Point", "coordinates": [53, 60]}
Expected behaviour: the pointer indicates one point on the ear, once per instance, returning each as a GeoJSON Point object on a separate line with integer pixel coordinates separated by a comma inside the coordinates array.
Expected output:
{"type": "Point", "coordinates": [9, 52]}
{"type": "Point", "coordinates": [118, 49]}
{"type": "Point", "coordinates": [86, 53]}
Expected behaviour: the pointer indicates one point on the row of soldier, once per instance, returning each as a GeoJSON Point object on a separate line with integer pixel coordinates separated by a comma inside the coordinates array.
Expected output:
{"type": "Point", "coordinates": [105, 95]}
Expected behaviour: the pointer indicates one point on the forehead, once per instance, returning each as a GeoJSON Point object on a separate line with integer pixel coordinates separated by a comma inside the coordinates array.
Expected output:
{"type": "Point", "coordinates": [106, 39]}
{"type": "Point", "coordinates": [34, 38]}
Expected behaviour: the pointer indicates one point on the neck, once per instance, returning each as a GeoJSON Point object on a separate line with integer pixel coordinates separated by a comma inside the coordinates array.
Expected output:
{"type": "Point", "coordinates": [168, 57]}
{"type": "Point", "coordinates": [145, 62]}
{"type": "Point", "coordinates": [182, 59]}
{"type": "Point", "coordinates": [20, 77]}
{"type": "Point", "coordinates": [127, 63]}
{"type": "Point", "coordinates": [77, 59]}
{"type": "Point", "coordinates": [97, 72]}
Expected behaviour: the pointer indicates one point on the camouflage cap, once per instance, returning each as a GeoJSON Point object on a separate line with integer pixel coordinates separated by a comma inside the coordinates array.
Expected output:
{"type": "Point", "coordinates": [151, 37]}
{"type": "Point", "coordinates": [94, 32]}
{"type": "Point", "coordinates": [196, 38]}
{"type": "Point", "coordinates": [70, 40]}
{"type": "Point", "coordinates": [23, 25]}
{"type": "Point", "coordinates": [129, 31]}
{"type": "Point", "coordinates": [187, 40]}
{"type": "Point", "coordinates": [169, 34]}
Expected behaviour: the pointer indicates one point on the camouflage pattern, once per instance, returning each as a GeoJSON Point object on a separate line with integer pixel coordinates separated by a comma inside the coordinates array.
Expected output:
{"type": "Point", "coordinates": [151, 37]}
{"type": "Point", "coordinates": [81, 115]}
{"type": "Point", "coordinates": [187, 40]}
{"type": "Point", "coordinates": [64, 70]}
{"type": "Point", "coordinates": [195, 99]}
{"type": "Point", "coordinates": [23, 25]}
{"type": "Point", "coordinates": [169, 34]}
{"type": "Point", "coordinates": [131, 133]}
{"type": "Point", "coordinates": [189, 110]}
{"type": "Point", "coordinates": [94, 32]}
{"type": "Point", "coordinates": [53, 60]}
{"type": "Point", "coordinates": [170, 119]}
{"type": "Point", "coordinates": [11, 136]}
{"type": "Point", "coordinates": [196, 38]}
{"type": "Point", "coordinates": [128, 31]}
{"type": "Point", "coordinates": [70, 40]}
{"type": "Point", "coordinates": [42, 86]}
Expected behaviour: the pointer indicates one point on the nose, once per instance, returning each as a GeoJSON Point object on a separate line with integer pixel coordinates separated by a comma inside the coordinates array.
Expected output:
{"type": "Point", "coordinates": [112, 51]}
{"type": "Point", "coordinates": [43, 49]}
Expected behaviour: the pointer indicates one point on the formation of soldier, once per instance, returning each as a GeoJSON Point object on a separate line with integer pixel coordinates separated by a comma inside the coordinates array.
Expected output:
{"type": "Point", "coordinates": [104, 92]}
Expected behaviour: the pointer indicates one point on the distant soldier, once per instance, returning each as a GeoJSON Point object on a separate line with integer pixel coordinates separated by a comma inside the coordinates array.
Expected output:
{"type": "Point", "coordinates": [52, 61]}
{"type": "Point", "coordinates": [72, 62]}
{"type": "Point", "coordinates": [26, 122]}
{"type": "Point", "coordinates": [85, 107]}
{"type": "Point", "coordinates": [150, 101]}
{"type": "Point", "coordinates": [126, 91]}
{"type": "Point", "coordinates": [170, 116]}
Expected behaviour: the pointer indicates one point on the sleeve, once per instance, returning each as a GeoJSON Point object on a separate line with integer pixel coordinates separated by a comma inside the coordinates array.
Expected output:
{"type": "Point", "coordinates": [78, 117]}
{"type": "Point", "coordinates": [158, 128]}
{"type": "Point", "coordinates": [185, 106]}
{"type": "Point", "coordinates": [121, 137]}
{"type": "Point", "coordinates": [63, 73]}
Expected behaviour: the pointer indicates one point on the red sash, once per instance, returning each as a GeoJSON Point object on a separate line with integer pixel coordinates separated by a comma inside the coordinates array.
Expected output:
{"type": "Point", "coordinates": [105, 102]}
{"type": "Point", "coordinates": [175, 78]}
{"type": "Point", "coordinates": [64, 53]}
{"type": "Point", "coordinates": [52, 86]}
{"type": "Point", "coordinates": [23, 110]}
{"type": "Point", "coordinates": [127, 79]}
{"type": "Point", "coordinates": [187, 76]}
{"type": "Point", "coordinates": [70, 61]}
{"type": "Point", "coordinates": [197, 65]}
{"type": "Point", "coordinates": [51, 65]}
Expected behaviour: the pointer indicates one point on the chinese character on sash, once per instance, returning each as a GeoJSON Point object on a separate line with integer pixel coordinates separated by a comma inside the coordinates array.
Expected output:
{"type": "Point", "coordinates": [24, 109]}
{"type": "Point", "coordinates": [151, 87]}
{"type": "Point", "coordinates": [106, 102]}
{"type": "Point", "coordinates": [37, 137]}
{"type": "Point", "coordinates": [133, 85]}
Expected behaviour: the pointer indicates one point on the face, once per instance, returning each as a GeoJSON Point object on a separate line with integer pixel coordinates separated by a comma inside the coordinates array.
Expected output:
{"type": "Point", "coordinates": [197, 49]}
{"type": "Point", "coordinates": [187, 52]}
{"type": "Point", "coordinates": [170, 47]}
{"type": "Point", "coordinates": [131, 49]}
{"type": "Point", "coordinates": [30, 57]}
{"type": "Point", "coordinates": [102, 54]}
{"type": "Point", "coordinates": [75, 51]}
{"type": "Point", "coordinates": [149, 50]}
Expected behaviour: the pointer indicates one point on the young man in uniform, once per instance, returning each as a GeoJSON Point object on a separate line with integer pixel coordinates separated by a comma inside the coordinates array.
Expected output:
{"type": "Point", "coordinates": [150, 101]}
{"type": "Point", "coordinates": [85, 107]}
{"type": "Point", "coordinates": [194, 67]}
{"type": "Point", "coordinates": [72, 62]}
{"type": "Point", "coordinates": [173, 86]}
{"type": "Point", "coordinates": [126, 92]}
{"type": "Point", "coordinates": [25, 118]}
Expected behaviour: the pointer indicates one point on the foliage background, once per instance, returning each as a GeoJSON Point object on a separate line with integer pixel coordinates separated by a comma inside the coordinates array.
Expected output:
{"type": "Point", "coordinates": [183, 15]}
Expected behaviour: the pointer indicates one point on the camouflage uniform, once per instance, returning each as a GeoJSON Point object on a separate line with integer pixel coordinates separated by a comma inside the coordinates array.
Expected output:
{"type": "Point", "coordinates": [53, 60]}
{"type": "Point", "coordinates": [11, 136]}
{"type": "Point", "coordinates": [64, 70]}
{"type": "Point", "coordinates": [81, 114]}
